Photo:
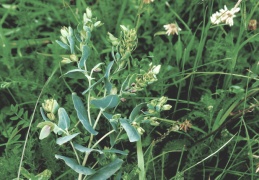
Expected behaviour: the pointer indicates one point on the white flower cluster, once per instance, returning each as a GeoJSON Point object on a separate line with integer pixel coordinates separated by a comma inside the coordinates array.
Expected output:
{"type": "Point", "coordinates": [224, 16]}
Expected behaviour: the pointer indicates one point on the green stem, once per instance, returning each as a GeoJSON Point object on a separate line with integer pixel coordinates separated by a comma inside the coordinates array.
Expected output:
{"type": "Point", "coordinates": [138, 15]}
{"type": "Point", "coordinates": [141, 164]}
{"type": "Point", "coordinates": [32, 117]}
{"type": "Point", "coordinates": [77, 157]}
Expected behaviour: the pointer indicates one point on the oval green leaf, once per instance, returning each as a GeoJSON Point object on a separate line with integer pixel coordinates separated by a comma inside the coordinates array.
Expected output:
{"type": "Point", "coordinates": [64, 120]}
{"type": "Point", "coordinates": [81, 114]}
{"type": "Point", "coordinates": [75, 166]}
{"type": "Point", "coordinates": [63, 140]}
{"type": "Point", "coordinates": [132, 133]}
{"type": "Point", "coordinates": [107, 171]}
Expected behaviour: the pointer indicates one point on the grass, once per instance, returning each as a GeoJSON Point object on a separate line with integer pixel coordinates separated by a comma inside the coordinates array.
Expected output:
{"type": "Point", "coordinates": [209, 74]}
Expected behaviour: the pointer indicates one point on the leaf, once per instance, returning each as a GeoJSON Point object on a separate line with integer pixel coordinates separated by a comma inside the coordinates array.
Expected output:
{"type": "Point", "coordinates": [132, 133]}
{"type": "Point", "coordinates": [45, 175]}
{"type": "Point", "coordinates": [109, 101]}
{"type": "Point", "coordinates": [89, 88]}
{"type": "Point", "coordinates": [115, 151]}
{"type": "Point", "coordinates": [63, 140]}
{"type": "Point", "coordinates": [43, 114]}
{"type": "Point", "coordinates": [78, 37]}
{"type": "Point", "coordinates": [107, 171]}
{"type": "Point", "coordinates": [63, 119]}
{"type": "Point", "coordinates": [136, 111]}
{"type": "Point", "coordinates": [75, 166]}
{"type": "Point", "coordinates": [63, 45]}
{"type": "Point", "coordinates": [107, 83]}
{"type": "Point", "coordinates": [85, 55]}
{"type": "Point", "coordinates": [75, 73]}
{"type": "Point", "coordinates": [85, 149]}
{"type": "Point", "coordinates": [26, 173]}
{"type": "Point", "coordinates": [88, 33]}
{"type": "Point", "coordinates": [178, 50]}
{"type": "Point", "coordinates": [127, 84]}
{"type": "Point", "coordinates": [71, 40]}
{"type": "Point", "coordinates": [109, 118]}
{"type": "Point", "coordinates": [81, 114]}
{"type": "Point", "coordinates": [14, 118]}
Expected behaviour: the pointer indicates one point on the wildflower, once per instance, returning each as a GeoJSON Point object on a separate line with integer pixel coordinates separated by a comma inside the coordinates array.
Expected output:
{"type": "Point", "coordinates": [225, 16]}
{"type": "Point", "coordinates": [147, 1]}
{"type": "Point", "coordinates": [185, 125]}
{"type": "Point", "coordinates": [172, 29]}
{"type": "Point", "coordinates": [215, 18]}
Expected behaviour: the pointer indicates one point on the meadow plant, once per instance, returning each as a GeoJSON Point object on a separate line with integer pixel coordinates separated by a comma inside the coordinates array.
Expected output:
{"type": "Point", "coordinates": [169, 89]}
{"type": "Point", "coordinates": [102, 100]}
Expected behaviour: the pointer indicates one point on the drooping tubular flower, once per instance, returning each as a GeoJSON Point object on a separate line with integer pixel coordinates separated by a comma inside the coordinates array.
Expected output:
{"type": "Point", "coordinates": [225, 16]}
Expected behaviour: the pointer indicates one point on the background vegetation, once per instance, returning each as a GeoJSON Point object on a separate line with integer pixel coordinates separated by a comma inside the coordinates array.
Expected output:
{"type": "Point", "coordinates": [209, 74]}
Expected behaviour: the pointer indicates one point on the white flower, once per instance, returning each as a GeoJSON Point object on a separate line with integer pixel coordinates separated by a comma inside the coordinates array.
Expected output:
{"type": "Point", "coordinates": [215, 18]}
{"type": "Point", "coordinates": [156, 69]}
{"type": "Point", "coordinates": [172, 29]}
{"type": "Point", "coordinates": [224, 16]}
{"type": "Point", "coordinates": [148, 1]}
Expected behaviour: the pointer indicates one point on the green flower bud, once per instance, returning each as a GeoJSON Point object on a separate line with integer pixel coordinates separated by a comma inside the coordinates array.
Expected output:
{"type": "Point", "coordinates": [65, 61]}
{"type": "Point", "coordinates": [51, 116]}
{"type": "Point", "coordinates": [166, 107]}
{"type": "Point", "coordinates": [45, 132]}
{"type": "Point", "coordinates": [64, 31]}
{"type": "Point", "coordinates": [115, 41]}
{"type": "Point", "coordinates": [114, 91]}
{"type": "Point", "coordinates": [156, 69]}
{"type": "Point", "coordinates": [74, 58]}
{"type": "Point", "coordinates": [63, 39]}
{"type": "Point", "coordinates": [140, 130]}
{"type": "Point", "coordinates": [88, 12]}
{"type": "Point", "coordinates": [50, 105]}
{"type": "Point", "coordinates": [98, 24]}
{"type": "Point", "coordinates": [116, 116]}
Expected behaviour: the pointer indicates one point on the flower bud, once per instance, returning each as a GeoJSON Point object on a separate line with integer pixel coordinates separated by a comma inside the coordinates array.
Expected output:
{"type": "Point", "coordinates": [64, 31]}
{"type": "Point", "coordinates": [64, 39]}
{"type": "Point", "coordinates": [140, 130]}
{"type": "Point", "coordinates": [65, 61]}
{"type": "Point", "coordinates": [51, 116]}
{"type": "Point", "coordinates": [88, 12]}
{"type": "Point", "coordinates": [156, 69]}
{"type": "Point", "coordinates": [115, 41]}
{"type": "Point", "coordinates": [74, 58]}
{"type": "Point", "coordinates": [114, 91]}
{"type": "Point", "coordinates": [166, 107]}
{"type": "Point", "coordinates": [50, 105]}
{"type": "Point", "coordinates": [97, 24]}
{"type": "Point", "coordinates": [116, 116]}
{"type": "Point", "coordinates": [45, 131]}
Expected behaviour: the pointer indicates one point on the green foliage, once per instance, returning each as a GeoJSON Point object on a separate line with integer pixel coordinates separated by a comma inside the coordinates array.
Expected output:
{"type": "Point", "coordinates": [143, 105]}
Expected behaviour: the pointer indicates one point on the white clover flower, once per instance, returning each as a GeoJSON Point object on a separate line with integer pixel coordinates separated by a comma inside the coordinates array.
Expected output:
{"type": "Point", "coordinates": [215, 18]}
{"type": "Point", "coordinates": [172, 29]}
{"type": "Point", "coordinates": [224, 16]}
